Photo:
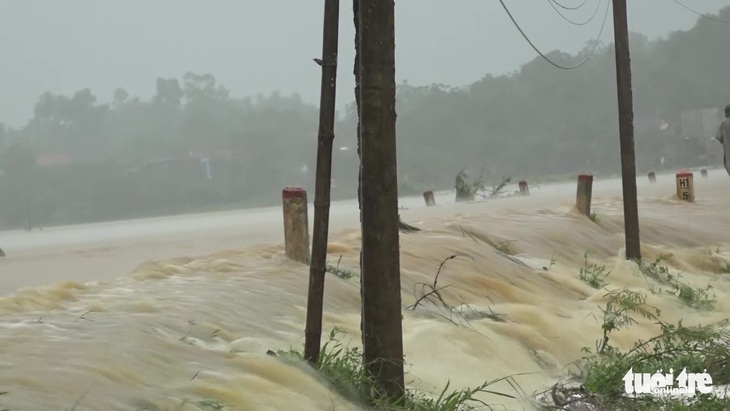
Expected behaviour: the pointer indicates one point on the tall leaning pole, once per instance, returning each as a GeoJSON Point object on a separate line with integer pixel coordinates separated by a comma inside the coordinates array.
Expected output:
{"type": "Point", "coordinates": [326, 135]}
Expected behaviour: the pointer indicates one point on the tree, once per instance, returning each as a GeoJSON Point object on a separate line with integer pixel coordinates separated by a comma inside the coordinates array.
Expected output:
{"type": "Point", "coordinates": [381, 306]}
{"type": "Point", "coordinates": [509, 122]}
{"type": "Point", "coordinates": [18, 161]}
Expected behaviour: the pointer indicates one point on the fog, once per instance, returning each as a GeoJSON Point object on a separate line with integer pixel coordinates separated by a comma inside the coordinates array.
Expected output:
{"type": "Point", "coordinates": [265, 46]}
{"type": "Point", "coordinates": [98, 96]}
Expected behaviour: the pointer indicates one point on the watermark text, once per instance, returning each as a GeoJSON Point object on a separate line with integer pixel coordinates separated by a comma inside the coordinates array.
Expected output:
{"type": "Point", "coordinates": [658, 383]}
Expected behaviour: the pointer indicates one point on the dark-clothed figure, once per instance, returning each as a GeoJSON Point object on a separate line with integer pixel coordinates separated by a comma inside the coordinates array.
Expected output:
{"type": "Point", "coordinates": [723, 136]}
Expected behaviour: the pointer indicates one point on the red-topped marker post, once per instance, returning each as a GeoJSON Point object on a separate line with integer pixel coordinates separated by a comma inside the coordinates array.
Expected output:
{"type": "Point", "coordinates": [296, 224]}
{"type": "Point", "coordinates": [429, 198]}
{"type": "Point", "coordinates": [584, 194]}
{"type": "Point", "coordinates": [685, 186]}
{"type": "Point", "coordinates": [652, 177]}
{"type": "Point", "coordinates": [524, 188]}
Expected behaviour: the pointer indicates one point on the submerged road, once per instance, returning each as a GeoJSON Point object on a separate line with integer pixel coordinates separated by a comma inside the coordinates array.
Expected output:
{"type": "Point", "coordinates": [104, 251]}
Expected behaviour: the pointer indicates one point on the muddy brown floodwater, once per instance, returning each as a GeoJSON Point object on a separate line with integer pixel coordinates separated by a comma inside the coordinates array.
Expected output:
{"type": "Point", "coordinates": [153, 314]}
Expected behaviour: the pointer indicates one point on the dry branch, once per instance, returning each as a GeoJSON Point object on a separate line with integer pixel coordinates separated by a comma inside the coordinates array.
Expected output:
{"type": "Point", "coordinates": [435, 290]}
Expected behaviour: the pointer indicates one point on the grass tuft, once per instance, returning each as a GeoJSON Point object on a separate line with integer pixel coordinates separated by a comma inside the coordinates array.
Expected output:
{"type": "Point", "coordinates": [593, 274]}
{"type": "Point", "coordinates": [342, 367]}
{"type": "Point", "coordinates": [694, 297]}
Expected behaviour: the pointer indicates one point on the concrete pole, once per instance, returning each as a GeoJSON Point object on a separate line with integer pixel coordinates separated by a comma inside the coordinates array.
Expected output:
{"type": "Point", "coordinates": [524, 188]}
{"type": "Point", "coordinates": [428, 198]}
{"type": "Point", "coordinates": [296, 224]}
{"type": "Point", "coordinates": [584, 194]}
{"type": "Point", "coordinates": [685, 186]}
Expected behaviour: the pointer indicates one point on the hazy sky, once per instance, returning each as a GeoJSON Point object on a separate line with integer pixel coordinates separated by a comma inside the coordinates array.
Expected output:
{"type": "Point", "coordinates": [260, 46]}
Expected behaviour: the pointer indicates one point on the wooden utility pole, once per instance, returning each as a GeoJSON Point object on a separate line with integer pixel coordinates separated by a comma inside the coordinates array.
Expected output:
{"type": "Point", "coordinates": [356, 72]}
{"type": "Point", "coordinates": [382, 333]}
{"type": "Point", "coordinates": [326, 135]}
{"type": "Point", "coordinates": [626, 129]}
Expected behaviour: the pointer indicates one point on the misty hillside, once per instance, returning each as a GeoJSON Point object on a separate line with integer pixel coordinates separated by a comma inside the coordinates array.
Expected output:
{"type": "Point", "coordinates": [192, 147]}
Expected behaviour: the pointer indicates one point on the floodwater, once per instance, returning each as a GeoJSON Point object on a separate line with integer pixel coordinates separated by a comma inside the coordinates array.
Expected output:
{"type": "Point", "coordinates": [159, 313]}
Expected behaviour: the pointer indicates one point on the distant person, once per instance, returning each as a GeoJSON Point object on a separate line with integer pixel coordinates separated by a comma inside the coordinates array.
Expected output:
{"type": "Point", "coordinates": [723, 136]}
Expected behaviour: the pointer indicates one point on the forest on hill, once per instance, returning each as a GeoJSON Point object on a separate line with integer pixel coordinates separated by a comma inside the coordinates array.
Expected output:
{"type": "Point", "coordinates": [194, 147]}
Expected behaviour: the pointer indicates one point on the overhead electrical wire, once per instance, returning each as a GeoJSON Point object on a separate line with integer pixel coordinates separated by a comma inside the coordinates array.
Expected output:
{"type": "Point", "coordinates": [595, 11]}
{"type": "Point", "coordinates": [590, 53]}
{"type": "Point", "coordinates": [707, 16]}
{"type": "Point", "coordinates": [570, 8]}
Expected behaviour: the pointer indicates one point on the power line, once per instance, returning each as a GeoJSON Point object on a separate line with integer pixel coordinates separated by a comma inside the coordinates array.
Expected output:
{"type": "Point", "coordinates": [570, 8]}
{"type": "Point", "coordinates": [707, 16]}
{"type": "Point", "coordinates": [593, 48]}
{"type": "Point", "coordinates": [553, 4]}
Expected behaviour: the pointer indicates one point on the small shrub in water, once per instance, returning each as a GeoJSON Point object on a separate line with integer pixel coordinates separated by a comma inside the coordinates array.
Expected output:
{"type": "Point", "coordinates": [698, 298]}
{"type": "Point", "coordinates": [656, 271]}
{"type": "Point", "coordinates": [593, 274]}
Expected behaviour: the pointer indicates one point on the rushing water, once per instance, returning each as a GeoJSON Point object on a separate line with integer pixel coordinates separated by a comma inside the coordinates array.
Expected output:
{"type": "Point", "coordinates": [156, 313]}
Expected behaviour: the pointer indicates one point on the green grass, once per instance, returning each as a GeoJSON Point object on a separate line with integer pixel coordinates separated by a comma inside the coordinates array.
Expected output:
{"type": "Point", "coordinates": [677, 346]}
{"type": "Point", "coordinates": [593, 274]}
{"type": "Point", "coordinates": [694, 297]}
{"type": "Point", "coordinates": [342, 367]}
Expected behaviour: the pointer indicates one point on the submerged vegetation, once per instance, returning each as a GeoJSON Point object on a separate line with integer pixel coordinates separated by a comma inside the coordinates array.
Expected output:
{"type": "Point", "coordinates": [593, 274]}
{"type": "Point", "coordinates": [468, 191]}
{"type": "Point", "coordinates": [465, 190]}
{"type": "Point", "coordinates": [694, 297]}
{"type": "Point", "coordinates": [341, 366]}
{"type": "Point", "coordinates": [703, 348]}
{"type": "Point", "coordinates": [339, 272]}
{"type": "Point", "coordinates": [698, 349]}
{"type": "Point", "coordinates": [598, 374]}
